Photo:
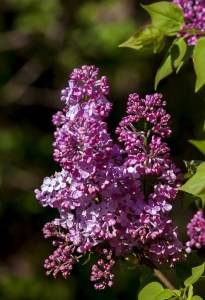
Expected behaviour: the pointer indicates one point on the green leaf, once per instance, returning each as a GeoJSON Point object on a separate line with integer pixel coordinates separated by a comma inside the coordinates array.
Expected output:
{"type": "Point", "coordinates": [190, 292]}
{"type": "Point", "coordinates": [166, 294]}
{"type": "Point", "coordinates": [148, 36]}
{"type": "Point", "coordinates": [199, 144]}
{"type": "Point", "coordinates": [196, 298]}
{"type": "Point", "coordinates": [172, 59]}
{"type": "Point", "coordinates": [196, 274]}
{"type": "Point", "coordinates": [177, 292]}
{"type": "Point", "coordinates": [199, 63]}
{"type": "Point", "coordinates": [187, 56]}
{"type": "Point", "coordinates": [166, 16]}
{"type": "Point", "coordinates": [150, 291]}
{"type": "Point", "coordinates": [196, 184]}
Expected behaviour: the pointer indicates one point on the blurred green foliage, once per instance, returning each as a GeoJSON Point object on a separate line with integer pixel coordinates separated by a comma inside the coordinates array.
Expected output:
{"type": "Point", "coordinates": [40, 43]}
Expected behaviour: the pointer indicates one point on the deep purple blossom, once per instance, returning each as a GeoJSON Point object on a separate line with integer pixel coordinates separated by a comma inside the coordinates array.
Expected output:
{"type": "Point", "coordinates": [194, 17]}
{"type": "Point", "coordinates": [196, 232]}
{"type": "Point", "coordinates": [113, 199]}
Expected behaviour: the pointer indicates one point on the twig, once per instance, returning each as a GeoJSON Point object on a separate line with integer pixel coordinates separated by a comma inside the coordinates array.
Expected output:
{"type": "Point", "coordinates": [163, 279]}
{"type": "Point", "coordinates": [159, 274]}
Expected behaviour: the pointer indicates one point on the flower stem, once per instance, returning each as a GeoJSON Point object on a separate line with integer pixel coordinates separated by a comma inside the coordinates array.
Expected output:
{"type": "Point", "coordinates": [163, 279]}
{"type": "Point", "coordinates": [159, 274]}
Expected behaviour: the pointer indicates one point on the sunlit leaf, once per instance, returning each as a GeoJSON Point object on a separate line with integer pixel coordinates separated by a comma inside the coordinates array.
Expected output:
{"type": "Point", "coordinates": [167, 19]}
{"type": "Point", "coordinates": [165, 294]}
{"type": "Point", "coordinates": [199, 144]}
{"type": "Point", "coordinates": [196, 184]}
{"type": "Point", "coordinates": [166, 16]}
{"type": "Point", "coordinates": [196, 274]}
{"type": "Point", "coordinates": [172, 59]}
{"type": "Point", "coordinates": [177, 292]}
{"type": "Point", "coordinates": [149, 36]}
{"type": "Point", "coordinates": [190, 292]}
{"type": "Point", "coordinates": [150, 291]}
{"type": "Point", "coordinates": [199, 63]}
{"type": "Point", "coordinates": [196, 298]}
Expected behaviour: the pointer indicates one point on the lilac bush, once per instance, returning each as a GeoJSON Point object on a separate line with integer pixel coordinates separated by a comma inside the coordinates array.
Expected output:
{"type": "Point", "coordinates": [114, 191]}
{"type": "Point", "coordinates": [113, 198]}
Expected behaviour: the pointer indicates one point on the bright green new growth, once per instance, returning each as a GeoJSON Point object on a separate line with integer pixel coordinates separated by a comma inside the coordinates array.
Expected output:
{"type": "Point", "coordinates": [165, 16]}
{"type": "Point", "coordinates": [155, 291]}
{"type": "Point", "coordinates": [199, 144]}
{"type": "Point", "coordinates": [149, 36]}
{"type": "Point", "coordinates": [167, 19]}
{"type": "Point", "coordinates": [196, 184]}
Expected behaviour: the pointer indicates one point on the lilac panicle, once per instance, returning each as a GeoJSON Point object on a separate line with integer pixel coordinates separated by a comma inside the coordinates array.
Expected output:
{"type": "Point", "coordinates": [196, 232]}
{"type": "Point", "coordinates": [194, 17]}
{"type": "Point", "coordinates": [113, 199]}
{"type": "Point", "coordinates": [146, 154]}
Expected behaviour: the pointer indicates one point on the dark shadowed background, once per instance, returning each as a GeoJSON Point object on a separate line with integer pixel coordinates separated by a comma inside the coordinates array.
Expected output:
{"type": "Point", "coordinates": [40, 43]}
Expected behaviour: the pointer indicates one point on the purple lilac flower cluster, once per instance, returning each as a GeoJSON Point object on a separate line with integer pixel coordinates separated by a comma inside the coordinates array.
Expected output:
{"type": "Point", "coordinates": [194, 17]}
{"type": "Point", "coordinates": [196, 232]}
{"type": "Point", "coordinates": [113, 199]}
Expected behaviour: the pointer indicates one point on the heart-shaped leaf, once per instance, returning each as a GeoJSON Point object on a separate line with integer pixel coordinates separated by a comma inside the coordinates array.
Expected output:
{"type": "Point", "coordinates": [166, 16]}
